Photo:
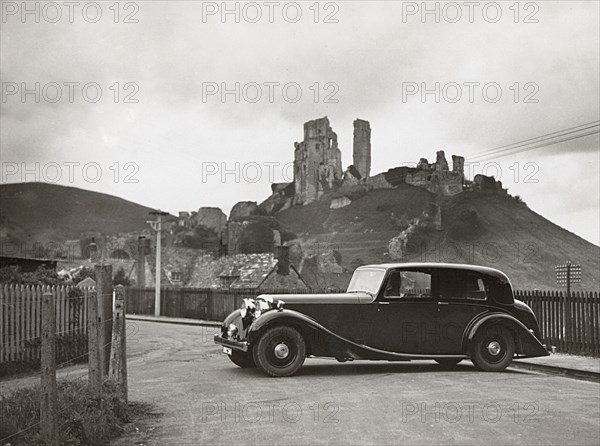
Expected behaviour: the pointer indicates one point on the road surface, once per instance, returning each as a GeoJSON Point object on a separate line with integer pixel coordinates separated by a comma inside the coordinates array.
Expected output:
{"type": "Point", "coordinates": [205, 399]}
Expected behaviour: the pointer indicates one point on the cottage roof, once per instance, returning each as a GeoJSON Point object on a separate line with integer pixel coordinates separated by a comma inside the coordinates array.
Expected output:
{"type": "Point", "coordinates": [252, 270]}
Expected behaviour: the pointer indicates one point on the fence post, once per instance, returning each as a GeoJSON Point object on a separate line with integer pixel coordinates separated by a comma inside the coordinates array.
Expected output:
{"type": "Point", "coordinates": [104, 289]}
{"type": "Point", "coordinates": [48, 394]}
{"type": "Point", "coordinates": [94, 365]}
{"type": "Point", "coordinates": [118, 358]}
{"type": "Point", "coordinates": [3, 302]}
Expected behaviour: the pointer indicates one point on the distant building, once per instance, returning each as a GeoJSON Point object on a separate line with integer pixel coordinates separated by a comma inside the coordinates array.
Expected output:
{"type": "Point", "coordinates": [194, 269]}
{"type": "Point", "coordinates": [88, 282]}
{"type": "Point", "coordinates": [26, 264]}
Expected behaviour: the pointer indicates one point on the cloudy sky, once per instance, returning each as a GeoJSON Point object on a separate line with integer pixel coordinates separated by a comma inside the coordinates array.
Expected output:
{"type": "Point", "coordinates": [130, 98]}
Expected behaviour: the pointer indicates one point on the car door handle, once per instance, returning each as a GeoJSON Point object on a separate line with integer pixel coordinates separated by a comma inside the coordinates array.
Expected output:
{"type": "Point", "coordinates": [443, 303]}
{"type": "Point", "coordinates": [379, 305]}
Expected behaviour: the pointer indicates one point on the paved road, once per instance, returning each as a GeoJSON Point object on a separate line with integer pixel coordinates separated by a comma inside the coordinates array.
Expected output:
{"type": "Point", "coordinates": [205, 400]}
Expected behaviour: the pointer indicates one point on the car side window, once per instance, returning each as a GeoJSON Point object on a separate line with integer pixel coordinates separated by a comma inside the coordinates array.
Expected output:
{"type": "Point", "coordinates": [462, 285]}
{"type": "Point", "coordinates": [475, 287]}
{"type": "Point", "coordinates": [404, 284]}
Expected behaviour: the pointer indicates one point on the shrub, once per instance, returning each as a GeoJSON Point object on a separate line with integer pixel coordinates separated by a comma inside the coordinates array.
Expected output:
{"type": "Point", "coordinates": [200, 237]}
{"type": "Point", "coordinates": [41, 276]}
{"type": "Point", "coordinates": [256, 237]}
{"type": "Point", "coordinates": [468, 226]}
{"type": "Point", "coordinates": [84, 273]}
{"type": "Point", "coordinates": [519, 200]}
{"type": "Point", "coordinates": [82, 418]}
{"type": "Point", "coordinates": [121, 278]}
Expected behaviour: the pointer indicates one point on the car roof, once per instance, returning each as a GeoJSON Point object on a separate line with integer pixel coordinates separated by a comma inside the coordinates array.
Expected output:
{"type": "Point", "coordinates": [460, 266]}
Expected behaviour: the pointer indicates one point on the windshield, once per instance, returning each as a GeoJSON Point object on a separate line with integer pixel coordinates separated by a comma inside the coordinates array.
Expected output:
{"type": "Point", "coordinates": [368, 280]}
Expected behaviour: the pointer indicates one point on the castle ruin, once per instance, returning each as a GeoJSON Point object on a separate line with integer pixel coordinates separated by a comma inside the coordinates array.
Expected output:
{"type": "Point", "coordinates": [317, 162]}
{"type": "Point", "coordinates": [361, 148]}
{"type": "Point", "coordinates": [435, 177]}
{"type": "Point", "coordinates": [317, 169]}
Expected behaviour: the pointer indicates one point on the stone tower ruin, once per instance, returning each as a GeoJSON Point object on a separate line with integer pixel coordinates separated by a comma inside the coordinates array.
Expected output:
{"type": "Point", "coordinates": [317, 162]}
{"type": "Point", "coordinates": [361, 149]}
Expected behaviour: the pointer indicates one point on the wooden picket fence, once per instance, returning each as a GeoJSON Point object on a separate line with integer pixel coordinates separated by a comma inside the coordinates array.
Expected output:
{"type": "Point", "coordinates": [21, 322]}
{"type": "Point", "coordinates": [199, 303]}
{"type": "Point", "coordinates": [571, 323]}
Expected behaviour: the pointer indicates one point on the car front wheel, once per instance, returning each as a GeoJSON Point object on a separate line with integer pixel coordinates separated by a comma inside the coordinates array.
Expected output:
{"type": "Point", "coordinates": [280, 351]}
{"type": "Point", "coordinates": [492, 349]}
{"type": "Point", "coordinates": [242, 359]}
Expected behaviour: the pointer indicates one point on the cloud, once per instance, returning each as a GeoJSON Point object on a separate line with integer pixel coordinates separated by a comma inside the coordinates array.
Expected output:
{"type": "Point", "coordinates": [369, 58]}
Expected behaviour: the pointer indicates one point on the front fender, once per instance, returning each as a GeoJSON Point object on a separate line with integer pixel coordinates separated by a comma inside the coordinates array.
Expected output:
{"type": "Point", "coordinates": [285, 317]}
{"type": "Point", "coordinates": [526, 344]}
{"type": "Point", "coordinates": [319, 339]}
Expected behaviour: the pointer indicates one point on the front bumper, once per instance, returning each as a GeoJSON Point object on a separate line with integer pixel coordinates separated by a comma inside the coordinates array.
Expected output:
{"type": "Point", "coordinates": [236, 345]}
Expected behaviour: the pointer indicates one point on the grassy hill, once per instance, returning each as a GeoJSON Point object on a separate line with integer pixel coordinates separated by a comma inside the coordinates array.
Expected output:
{"type": "Point", "coordinates": [488, 229]}
{"type": "Point", "coordinates": [40, 212]}
{"type": "Point", "coordinates": [495, 230]}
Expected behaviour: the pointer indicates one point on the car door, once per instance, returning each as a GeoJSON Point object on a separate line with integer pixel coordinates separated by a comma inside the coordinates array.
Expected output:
{"type": "Point", "coordinates": [462, 296]}
{"type": "Point", "coordinates": [403, 318]}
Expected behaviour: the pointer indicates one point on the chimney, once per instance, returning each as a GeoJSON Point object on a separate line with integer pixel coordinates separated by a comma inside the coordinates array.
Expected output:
{"type": "Point", "coordinates": [93, 251]}
{"type": "Point", "coordinates": [282, 254]}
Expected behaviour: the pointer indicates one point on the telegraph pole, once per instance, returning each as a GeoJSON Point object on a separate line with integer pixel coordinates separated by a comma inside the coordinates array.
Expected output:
{"type": "Point", "coordinates": [157, 226]}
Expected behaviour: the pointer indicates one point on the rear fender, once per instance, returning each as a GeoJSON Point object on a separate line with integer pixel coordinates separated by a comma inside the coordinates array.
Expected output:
{"type": "Point", "coordinates": [526, 344]}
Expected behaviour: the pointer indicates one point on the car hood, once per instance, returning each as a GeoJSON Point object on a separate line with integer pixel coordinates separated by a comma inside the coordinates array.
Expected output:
{"type": "Point", "coordinates": [333, 298]}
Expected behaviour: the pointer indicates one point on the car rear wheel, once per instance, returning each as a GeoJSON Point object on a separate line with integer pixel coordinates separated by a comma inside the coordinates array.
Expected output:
{"type": "Point", "coordinates": [244, 360]}
{"type": "Point", "coordinates": [280, 351]}
{"type": "Point", "coordinates": [448, 362]}
{"type": "Point", "coordinates": [493, 349]}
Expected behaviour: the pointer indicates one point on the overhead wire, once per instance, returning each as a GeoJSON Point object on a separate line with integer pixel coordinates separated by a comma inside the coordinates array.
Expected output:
{"type": "Point", "coordinates": [531, 143]}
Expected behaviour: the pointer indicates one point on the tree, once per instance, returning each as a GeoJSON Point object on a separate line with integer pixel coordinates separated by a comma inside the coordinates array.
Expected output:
{"type": "Point", "coordinates": [121, 279]}
{"type": "Point", "coordinates": [10, 274]}
{"type": "Point", "coordinates": [84, 273]}
{"type": "Point", "coordinates": [200, 237]}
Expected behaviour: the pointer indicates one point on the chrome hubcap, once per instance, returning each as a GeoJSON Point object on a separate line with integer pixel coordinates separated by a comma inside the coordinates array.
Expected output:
{"type": "Point", "coordinates": [282, 351]}
{"type": "Point", "coordinates": [494, 348]}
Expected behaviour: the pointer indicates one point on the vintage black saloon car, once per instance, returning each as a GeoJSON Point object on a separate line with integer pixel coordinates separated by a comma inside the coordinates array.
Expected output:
{"type": "Point", "coordinates": [391, 312]}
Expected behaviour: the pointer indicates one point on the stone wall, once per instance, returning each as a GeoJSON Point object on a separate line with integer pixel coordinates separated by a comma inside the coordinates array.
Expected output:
{"type": "Point", "coordinates": [242, 210]}
{"type": "Point", "coordinates": [379, 182]}
{"type": "Point", "coordinates": [437, 178]}
{"type": "Point", "coordinates": [234, 237]}
{"type": "Point", "coordinates": [212, 218]}
{"type": "Point", "coordinates": [483, 183]}
{"type": "Point", "coordinates": [340, 202]}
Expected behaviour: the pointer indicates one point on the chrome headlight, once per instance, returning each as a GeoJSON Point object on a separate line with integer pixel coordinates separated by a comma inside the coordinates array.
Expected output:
{"type": "Point", "coordinates": [253, 308]}
{"type": "Point", "coordinates": [248, 307]}
{"type": "Point", "coordinates": [263, 303]}
{"type": "Point", "coordinates": [232, 331]}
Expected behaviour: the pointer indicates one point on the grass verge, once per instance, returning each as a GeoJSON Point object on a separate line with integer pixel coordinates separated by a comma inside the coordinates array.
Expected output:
{"type": "Point", "coordinates": [82, 418]}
